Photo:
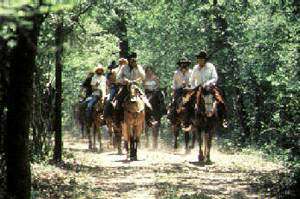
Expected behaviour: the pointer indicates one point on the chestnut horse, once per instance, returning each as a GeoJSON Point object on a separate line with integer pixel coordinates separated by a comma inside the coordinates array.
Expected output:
{"type": "Point", "coordinates": [184, 114]}
{"type": "Point", "coordinates": [210, 111]}
{"type": "Point", "coordinates": [134, 119]}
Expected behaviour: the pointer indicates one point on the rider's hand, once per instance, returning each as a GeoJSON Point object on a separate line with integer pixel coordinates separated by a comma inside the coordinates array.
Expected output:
{"type": "Point", "coordinates": [127, 81]}
{"type": "Point", "coordinates": [206, 87]}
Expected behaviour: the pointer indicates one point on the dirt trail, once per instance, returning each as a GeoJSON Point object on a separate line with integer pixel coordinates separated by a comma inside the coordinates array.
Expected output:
{"type": "Point", "coordinates": [157, 174]}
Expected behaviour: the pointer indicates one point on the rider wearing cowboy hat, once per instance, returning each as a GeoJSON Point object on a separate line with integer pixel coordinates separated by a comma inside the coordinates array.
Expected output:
{"type": "Point", "coordinates": [131, 71]}
{"type": "Point", "coordinates": [98, 84]}
{"type": "Point", "coordinates": [204, 73]}
{"type": "Point", "coordinates": [181, 79]}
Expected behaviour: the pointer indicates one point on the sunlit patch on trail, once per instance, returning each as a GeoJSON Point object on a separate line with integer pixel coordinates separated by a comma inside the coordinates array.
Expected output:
{"type": "Point", "coordinates": [160, 173]}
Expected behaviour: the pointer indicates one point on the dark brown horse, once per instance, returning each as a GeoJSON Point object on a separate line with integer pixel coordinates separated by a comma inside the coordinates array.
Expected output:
{"type": "Point", "coordinates": [210, 111]}
{"type": "Point", "coordinates": [183, 117]}
{"type": "Point", "coordinates": [95, 122]}
{"type": "Point", "coordinates": [79, 116]}
{"type": "Point", "coordinates": [114, 123]}
{"type": "Point", "coordinates": [156, 99]}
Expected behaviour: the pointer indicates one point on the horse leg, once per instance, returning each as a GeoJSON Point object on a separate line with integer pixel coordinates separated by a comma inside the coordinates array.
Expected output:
{"type": "Point", "coordinates": [131, 148]}
{"type": "Point", "coordinates": [94, 137]}
{"type": "Point", "coordinates": [155, 137]}
{"type": "Point", "coordinates": [82, 129]}
{"type": "Point", "coordinates": [126, 147]}
{"type": "Point", "coordinates": [99, 138]}
{"type": "Point", "coordinates": [200, 155]}
{"type": "Point", "coordinates": [209, 142]}
{"type": "Point", "coordinates": [193, 138]}
{"type": "Point", "coordinates": [88, 131]}
{"type": "Point", "coordinates": [186, 139]}
{"type": "Point", "coordinates": [118, 140]}
{"type": "Point", "coordinates": [110, 132]}
{"type": "Point", "coordinates": [176, 133]}
{"type": "Point", "coordinates": [206, 146]}
{"type": "Point", "coordinates": [147, 136]}
{"type": "Point", "coordinates": [135, 145]}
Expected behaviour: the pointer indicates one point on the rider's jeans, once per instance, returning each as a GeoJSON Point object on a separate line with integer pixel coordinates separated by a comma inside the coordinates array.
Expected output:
{"type": "Point", "coordinates": [112, 93]}
{"type": "Point", "coordinates": [91, 103]}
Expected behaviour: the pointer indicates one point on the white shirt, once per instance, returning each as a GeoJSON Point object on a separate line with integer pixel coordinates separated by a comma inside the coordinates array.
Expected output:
{"type": "Point", "coordinates": [131, 74]}
{"type": "Point", "coordinates": [179, 79]}
{"type": "Point", "coordinates": [205, 76]}
{"type": "Point", "coordinates": [150, 84]}
{"type": "Point", "coordinates": [101, 80]}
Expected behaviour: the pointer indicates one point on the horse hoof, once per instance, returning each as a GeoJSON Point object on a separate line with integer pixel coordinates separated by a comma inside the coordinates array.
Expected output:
{"type": "Point", "coordinates": [187, 151]}
{"type": "Point", "coordinates": [200, 158]}
{"type": "Point", "coordinates": [133, 158]}
{"type": "Point", "coordinates": [208, 161]}
{"type": "Point", "coordinates": [120, 152]}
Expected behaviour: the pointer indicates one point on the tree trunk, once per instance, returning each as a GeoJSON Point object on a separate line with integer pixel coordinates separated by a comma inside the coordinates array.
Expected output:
{"type": "Point", "coordinates": [122, 33]}
{"type": "Point", "coordinates": [245, 3]}
{"type": "Point", "coordinates": [59, 37]}
{"type": "Point", "coordinates": [19, 109]}
{"type": "Point", "coordinates": [241, 115]}
{"type": "Point", "coordinates": [296, 5]}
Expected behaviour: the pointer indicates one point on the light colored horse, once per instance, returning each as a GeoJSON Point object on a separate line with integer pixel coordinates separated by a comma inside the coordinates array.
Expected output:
{"type": "Point", "coordinates": [134, 121]}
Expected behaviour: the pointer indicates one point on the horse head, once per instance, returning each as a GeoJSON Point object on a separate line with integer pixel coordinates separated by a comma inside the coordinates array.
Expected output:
{"type": "Point", "coordinates": [133, 102]}
{"type": "Point", "coordinates": [206, 103]}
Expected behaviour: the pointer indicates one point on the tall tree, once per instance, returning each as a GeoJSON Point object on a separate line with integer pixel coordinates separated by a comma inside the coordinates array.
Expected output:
{"type": "Point", "coordinates": [19, 105]}
{"type": "Point", "coordinates": [59, 38]}
{"type": "Point", "coordinates": [121, 32]}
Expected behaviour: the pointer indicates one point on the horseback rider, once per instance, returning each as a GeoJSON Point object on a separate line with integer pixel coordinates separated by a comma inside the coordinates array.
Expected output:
{"type": "Point", "coordinates": [98, 84]}
{"type": "Point", "coordinates": [151, 84]}
{"type": "Point", "coordinates": [86, 86]}
{"type": "Point", "coordinates": [181, 79]}
{"type": "Point", "coordinates": [131, 72]}
{"type": "Point", "coordinates": [112, 85]}
{"type": "Point", "coordinates": [111, 77]}
{"type": "Point", "coordinates": [204, 74]}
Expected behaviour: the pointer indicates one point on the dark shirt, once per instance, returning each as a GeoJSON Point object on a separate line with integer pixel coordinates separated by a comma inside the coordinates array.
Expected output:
{"type": "Point", "coordinates": [87, 85]}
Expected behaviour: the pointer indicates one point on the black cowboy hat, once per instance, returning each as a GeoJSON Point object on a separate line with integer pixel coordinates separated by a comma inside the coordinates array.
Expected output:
{"type": "Point", "coordinates": [132, 56]}
{"type": "Point", "coordinates": [202, 55]}
{"type": "Point", "coordinates": [184, 60]}
{"type": "Point", "coordinates": [112, 65]}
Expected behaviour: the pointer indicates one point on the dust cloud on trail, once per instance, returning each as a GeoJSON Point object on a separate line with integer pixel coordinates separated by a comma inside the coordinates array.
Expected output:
{"type": "Point", "coordinates": [162, 173]}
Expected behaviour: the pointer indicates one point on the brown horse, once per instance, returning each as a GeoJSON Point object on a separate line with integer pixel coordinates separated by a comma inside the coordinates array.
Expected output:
{"type": "Point", "coordinates": [156, 99]}
{"type": "Point", "coordinates": [210, 111]}
{"type": "Point", "coordinates": [134, 119]}
{"type": "Point", "coordinates": [114, 124]}
{"type": "Point", "coordinates": [95, 122]}
{"type": "Point", "coordinates": [184, 114]}
{"type": "Point", "coordinates": [79, 116]}
{"type": "Point", "coordinates": [113, 114]}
